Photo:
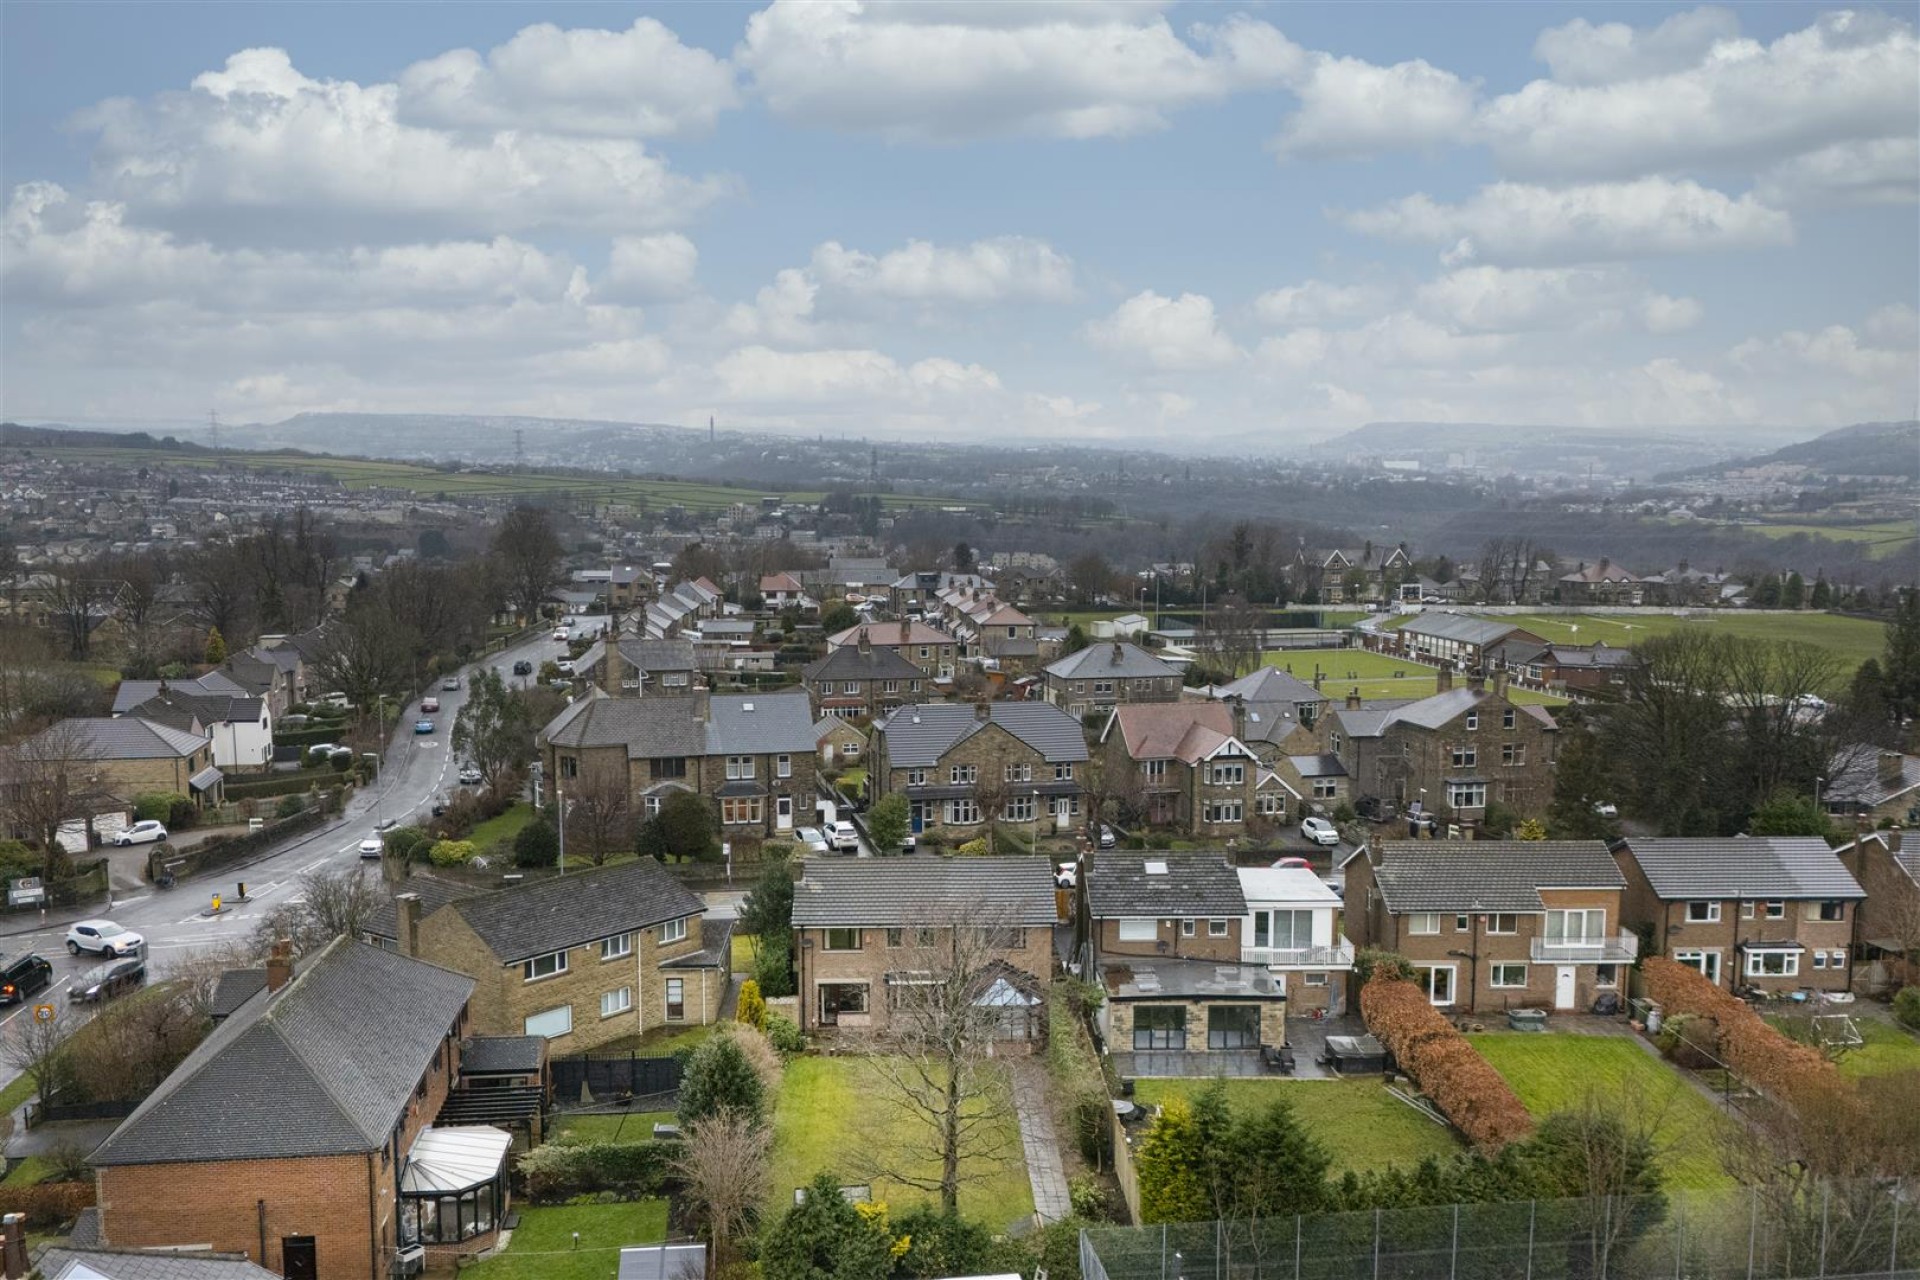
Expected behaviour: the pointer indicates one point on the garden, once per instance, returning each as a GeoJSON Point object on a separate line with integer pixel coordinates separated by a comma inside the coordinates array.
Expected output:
{"type": "Point", "coordinates": [573, 1241]}
{"type": "Point", "coordinates": [1360, 1124]}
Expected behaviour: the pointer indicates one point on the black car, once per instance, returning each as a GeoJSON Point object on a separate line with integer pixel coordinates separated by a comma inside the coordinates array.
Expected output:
{"type": "Point", "coordinates": [523, 668]}
{"type": "Point", "coordinates": [22, 976]}
{"type": "Point", "coordinates": [1375, 809]}
{"type": "Point", "coordinates": [104, 982]}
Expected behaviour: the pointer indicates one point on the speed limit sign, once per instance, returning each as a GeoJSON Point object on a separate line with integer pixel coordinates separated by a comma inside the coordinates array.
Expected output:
{"type": "Point", "coordinates": [43, 1013]}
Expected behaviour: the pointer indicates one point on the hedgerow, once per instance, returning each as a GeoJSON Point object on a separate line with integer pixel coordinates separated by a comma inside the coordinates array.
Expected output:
{"type": "Point", "coordinates": [1464, 1085]}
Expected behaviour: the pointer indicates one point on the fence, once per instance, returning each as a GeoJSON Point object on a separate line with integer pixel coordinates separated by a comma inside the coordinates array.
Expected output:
{"type": "Point", "coordinates": [1795, 1230]}
{"type": "Point", "coordinates": [39, 1113]}
{"type": "Point", "coordinates": [609, 1076]}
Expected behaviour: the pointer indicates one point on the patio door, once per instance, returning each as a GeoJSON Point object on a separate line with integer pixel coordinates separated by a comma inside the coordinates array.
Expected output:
{"type": "Point", "coordinates": [1563, 987]}
{"type": "Point", "coordinates": [1233, 1026]}
{"type": "Point", "coordinates": [1707, 962]}
{"type": "Point", "coordinates": [299, 1258]}
{"type": "Point", "coordinates": [783, 814]}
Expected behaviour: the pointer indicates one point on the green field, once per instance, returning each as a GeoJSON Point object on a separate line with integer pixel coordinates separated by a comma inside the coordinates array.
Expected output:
{"type": "Point", "coordinates": [1886, 539]}
{"type": "Point", "coordinates": [1854, 639]}
{"type": "Point", "coordinates": [1376, 675]}
{"type": "Point", "coordinates": [826, 1114]}
{"type": "Point", "coordinates": [1554, 1072]}
{"type": "Point", "coordinates": [619, 1126]}
{"type": "Point", "coordinates": [1361, 1125]}
{"type": "Point", "coordinates": [574, 1242]}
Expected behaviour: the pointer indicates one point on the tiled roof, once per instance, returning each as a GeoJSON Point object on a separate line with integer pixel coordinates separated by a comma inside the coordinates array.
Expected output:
{"type": "Point", "coordinates": [1369, 719]}
{"type": "Point", "coordinates": [114, 1264]}
{"type": "Point", "coordinates": [325, 1066]}
{"type": "Point", "coordinates": [551, 915]}
{"type": "Point", "coordinates": [1118, 660]}
{"type": "Point", "coordinates": [1165, 730]}
{"type": "Point", "coordinates": [716, 948]}
{"type": "Point", "coordinates": [434, 894]}
{"type": "Point", "coordinates": [1487, 875]}
{"type": "Point", "coordinates": [497, 1055]}
{"type": "Point", "coordinates": [234, 988]}
{"type": "Point", "coordinates": [918, 735]}
{"type": "Point", "coordinates": [1270, 684]}
{"type": "Point", "coordinates": [1121, 886]}
{"type": "Point", "coordinates": [923, 889]}
{"type": "Point", "coordinates": [1318, 766]}
{"type": "Point", "coordinates": [759, 724]}
{"type": "Point", "coordinates": [850, 662]}
{"type": "Point", "coordinates": [891, 633]}
{"type": "Point", "coordinates": [1761, 867]}
{"type": "Point", "coordinates": [130, 738]}
{"type": "Point", "coordinates": [1860, 779]}
{"type": "Point", "coordinates": [1458, 627]}
{"type": "Point", "coordinates": [649, 727]}
{"type": "Point", "coordinates": [642, 654]}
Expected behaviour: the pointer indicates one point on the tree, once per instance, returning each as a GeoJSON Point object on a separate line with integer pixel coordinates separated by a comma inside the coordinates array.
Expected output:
{"type": "Point", "coordinates": [46, 780]}
{"type": "Point", "coordinates": [1900, 661]}
{"type": "Point", "coordinates": [598, 814]}
{"type": "Point", "coordinates": [685, 827]}
{"type": "Point", "coordinates": [76, 595]}
{"type": "Point", "coordinates": [330, 904]}
{"type": "Point", "coordinates": [752, 1009]}
{"type": "Point", "coordinates": [1794, 594]}
{"type": "Point", "coordinates": [1170, 1164]}
{"type": "Point", "coordinates": [1091, 576]}
{"type": "Point", "coordinates": [766, 917]}
{"type": "Point", "coordinates": [1076, 640]}
{"type": "Point", "coordinates": [837, 616]}
{"type": "Point", "coordinates": [962, 558]}
{"type": "Point", "coordinates": [32, 1047]}
{"type": "Point", "coordinates": [722, 1165]}
{"type": "Point", "coordinates": [826, 1237]}
{"type": "Point", "coordinates": [528, 554]}
{"type": "Point", "coordinates": [216, 651]}
{"type": "Point", "coordinates": [1822, 597]}
{"type": "Point", "coordinates": [1786, 814]}
{"type": "Point", "coordinates": [492, 729]}
{"type": "Point", "coordinates": [719, 1078]}
{"type": "Point", "coordinates": [537, 844]}
{"type": "Point", "coordinates": [887, 823]}
{"type": "Point", "coordinates": [365, 653]}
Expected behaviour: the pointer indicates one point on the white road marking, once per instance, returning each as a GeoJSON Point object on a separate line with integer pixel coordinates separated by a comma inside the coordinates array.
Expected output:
{"type": "Point", "coordinates": [117, 903]}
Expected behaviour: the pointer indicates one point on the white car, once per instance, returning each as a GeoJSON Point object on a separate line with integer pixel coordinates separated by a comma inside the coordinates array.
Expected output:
{"type": "Point", "coordinates": [562, 634]}
{"type": "Point", "coordinates": [104, 937]}
{"type": "Point", "coordinates": [373, 846]}
{"type": "Point", "coordinates": [1606, 809]}
{"type": "Point", "coordinates": [845, 837]}
{"type": "Point", "coordinates": [812, 839]}
{"type": "Point", "coordinates": [1320, 831]}
{"type": "Point", "coordinates": [564, 666]}
{"type": "Point", "coordinates": [470, 776]}
{"type": "Point", "coordinates": [142, 833]}
{"type": "Point", "coordinates": [1065, 874]}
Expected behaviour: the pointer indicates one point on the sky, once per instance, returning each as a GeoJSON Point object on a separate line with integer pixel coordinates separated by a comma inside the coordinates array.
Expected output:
{"type": "Point", "coordinates": [1257, 224]}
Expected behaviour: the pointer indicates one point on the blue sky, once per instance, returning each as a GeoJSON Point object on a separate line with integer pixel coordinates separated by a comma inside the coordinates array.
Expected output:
{"type": "Point", "coordinates": [1095, 220]}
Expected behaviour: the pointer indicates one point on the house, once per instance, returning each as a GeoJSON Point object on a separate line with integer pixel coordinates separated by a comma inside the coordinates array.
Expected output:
{"type": "Point", "coordinates": [240, 729]}
{"type": "Point", "coordinates": [863, 927]}
{"type": "Point", "coordinates": [1602, 583]}
{"type": "Point", "coordinates": [751, 755]}
{"type": "Point", "coordinates": [1772, 913]}
{"type": "Point", "coordinates": [929, 648]}
{"type": "Point", "coordinates": [1597, 669]}
{"type": "Point", "coordinates": [1185, 764]}
{"type": "Point", "coordinates": [1496, 924]}
{"type": "Point", "coordinates": [627, 586]}
{"type": "Point", "coordinates": [1277, 704]}
{"type": "Point", "coordinates": [1321, 780]}
{"type": "Point", "coordinates": [783, 591]}
{"type": "Point", "coordinates": [1163, 934]}
{"type": "Point", "coordinates": [919, 591]}
{"type": "Point", "coordinates": [1457, 639]}
{"type": "Point", "coordinates": [1873, 786]}
{"type": "Point", "coordinates": [1292, 926]}
{"type": "Point", "coordinates": [646, 666]}
{"type": "Point", "coordinates": [302, 1132]}
{"type": "Point", "coordinates": [1345, 575]}
{"type": "Point", "coordinates": [1102, 676]}
{"type": "Point", "coordinates": [861, 680]}
{"type": "Point", "coordinates": [580, 959]}
{"type": "Point", "coordinates": [962, 764]}
{"type": "Point", "coordinates": [1887, 924]}
{"type": "Point", "coordinates": [841, 744]}
{"type": "Point", "coordinates": [1685, 585]}
{"type": "Point", "coordinates": [130, 757]}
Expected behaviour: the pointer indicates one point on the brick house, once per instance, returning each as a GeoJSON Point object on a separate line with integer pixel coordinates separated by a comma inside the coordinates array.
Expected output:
{"type": "Point", "coordinates": [1872, 785]}
{"type": "Point", "coordinates": [864, 926]}
{"type": "Point", "coordinates": [1191, 772]}
{"type": "Point", "coordinates": [861, 680]}
{"type": "Point", "coordinates": [960, 765]}
{"type": "Point", "coordinates": [1163, 934]}
{"type": "Point", "coordinates": [133, 757]}
{"type": "Point", "coordinates": [1888, 921]}
{"type": "Point", "coordinates": [1102, 676]}
{"type": "Point", "coordinates": [1775, 913]}
{"type": "Point", "coordinates": [302, 1132]}
{"type": "Point", "coordinates": [752, 755]}
{"type": "Point", "coordinates": [1496, 924]}
{"type": "Point", "coordinates": [932, 650]}
{"type": "Point", "coordinates": [1602, 583]}
{"type": "Point", "coordinates": [580, 959]}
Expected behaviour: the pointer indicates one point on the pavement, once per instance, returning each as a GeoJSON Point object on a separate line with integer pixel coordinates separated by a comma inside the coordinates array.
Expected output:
{"type": "Point", "coordinates": [1037, 1140]}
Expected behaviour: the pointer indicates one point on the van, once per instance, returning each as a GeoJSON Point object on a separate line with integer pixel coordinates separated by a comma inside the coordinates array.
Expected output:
{"type": "Point", "coordinates": [22, 976]}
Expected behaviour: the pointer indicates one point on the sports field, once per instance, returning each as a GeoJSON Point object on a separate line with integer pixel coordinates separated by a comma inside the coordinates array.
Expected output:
{"type": "Point", "coordinates": [1886, 539]}
{"type": "Point", "coordinates": [1854, 639]}
{"type": "Point", "coordinates": [1376, 675]}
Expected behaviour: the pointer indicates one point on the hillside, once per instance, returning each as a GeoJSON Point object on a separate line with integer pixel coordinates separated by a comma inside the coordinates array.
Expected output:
{"type": "Point", "coordinates": [1887, 449]}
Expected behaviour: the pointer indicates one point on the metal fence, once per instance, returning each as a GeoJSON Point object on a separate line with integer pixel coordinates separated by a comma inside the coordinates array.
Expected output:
{"type": "Point", "coordinates": [1867, 1229]}
{"type": "Point", "coordinates": [601, 1077]}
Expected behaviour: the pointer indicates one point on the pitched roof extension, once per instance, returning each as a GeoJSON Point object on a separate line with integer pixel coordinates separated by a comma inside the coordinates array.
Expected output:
{"type": "Point", "coordinates": [1487, 875]}
{"type": "Point", "coordinates": [918, 735]}
{"type": "Point", "coordinates": [1145, 885]}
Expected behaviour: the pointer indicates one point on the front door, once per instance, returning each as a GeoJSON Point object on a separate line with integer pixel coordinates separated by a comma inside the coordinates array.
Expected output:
{"type": "Point", "coordinates": [299, 1258]}
{"type": "Point", "coordinates": [1563, 987]}
{"type": "Point", "coordinates": [783, 813]}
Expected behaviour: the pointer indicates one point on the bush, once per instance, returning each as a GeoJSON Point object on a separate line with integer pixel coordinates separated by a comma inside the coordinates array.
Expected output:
{"type": "Point", "coordinates": [290, 806]}
{"type": "Point", "coordinates": [784, 1034]}
{"type": "Point", "coordinates": [451, 853]}
{"type": "Point", "coordinates": [283, 784]}
{"type": "Point", "coordinates": [405, 843]}
{"type": "Point", "coordinates": [1758, 1054]}
{"type": "Point", "coordinates": [752, 1008]}
{"type": "Point", "coordinates": [537, 844]}
{"type": "Point", "coordinates": [720, 1076]}
{"type": "Point", "coordinates": [17, 860]}
{"type": "Point", "coordinates": [1464, 1085]}
{"type": "Point", "coordinates": [160, 806]}
{"type": "Point", "coordinates": [973, 848]}
{"type": "Point", "coordinates": [564, 1168]}
{"type": "Point", "coordinates": [1088, 1196]}
{"type": "Point", "coordinates": [773, 964]}
{"type": "Point", "coordinates": [48, 1205]}
{"type": "Point", "coordinates": [1906, 1007]}
{"type": "Point", "coordinates": [1077, 1077]}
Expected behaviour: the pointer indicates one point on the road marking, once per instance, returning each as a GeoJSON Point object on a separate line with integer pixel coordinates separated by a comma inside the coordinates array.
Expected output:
{"type": "Point", "coordinates": [116, 904]}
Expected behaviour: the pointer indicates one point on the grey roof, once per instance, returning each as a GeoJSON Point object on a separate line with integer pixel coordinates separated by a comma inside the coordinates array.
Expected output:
{"type": "Point", "coordinates": [1270, 684]}
{"type": "Point", "coordinates": [759, 724]}
{"type": "Point", "coordinates": [115, 1264]}
{"type": "Point", "coordinates": [1762, 867]}
{"type": "Point", "coordinates": [923, 889]}
{"type": "Point", "coordinates": [551, 915]}
{"type": "Point", "coordinates": [1592, 655]}
{"type": "Point", "coordinates": [1458, 627]}
{"type": "Point", "coordinates": [327, 1065]}
{"type": "Point", "coordinates": [1320, 766]}
{"type": "Point", "coordinates": [1440, 709]}
{"type": "Point", "coordinates": [130, 738]}
{"type": "Point", "coordinates": [502, 1055]}
{"type": "Point", "coordinates": [234, 988]}
{"type": "Point", "coordinates": [1104, 661]}
{"type": "Point", "coordinates": [919, 734]}
{"type": "Point", "coordinates": [1119, 886]}
{"type": "Point", "coordinates": [716, 948]}
{"type": "Point", "coordinates": [1163, 978]}
{"type": "Point", "coordinates": [663, 1262]}
{"type": "Point", "coordinates": [177, 705]}
{"type": "Point", "coordinates": [434, 894]}
{"type": "Point", "coordinates": [1371, 719]}
{"type": "Point", "coordinates": [1859, 780]}
{"type": "Point", "coordinates": [653, 726]}
{"type": "Point", "coordinates": [1487, 875]}
{"type": "Point", "coordinates": [643, 654]}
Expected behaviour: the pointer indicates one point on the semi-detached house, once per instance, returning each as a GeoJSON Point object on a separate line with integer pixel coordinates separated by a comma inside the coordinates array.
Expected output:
{"type": "Point", "coordinates": [1100, 677]}
{"type": "Point", "coordinates": [960, 765]}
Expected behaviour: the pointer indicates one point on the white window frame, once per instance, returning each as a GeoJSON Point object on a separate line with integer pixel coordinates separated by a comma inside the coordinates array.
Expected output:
{"type": "Point", "coordinates": [561, 1014]}
{"type": "Point", "coordinates": [531, 967]}
{"type": "Point", "coordinates": [1139, 930]}
{"type": "Point", "coordinates": [673, 931]}
{"type": "Point", "coordinates": [1467, 795]}
{"type": "Point", "coordinates": [1063, 772]}
{"type": "Point", "coordinates": [1326, 788]}
{"type": "Point", "coordinates": [1153, 770]}
{"type": "Point", "coordinates": [826, 939]}
{"type": "Point", "coordinates": [1493, 923]}
{"type": "Point", "coordinates": [1189, 928]}
{"type": "Point", "coordinates": [620, 944]}
{"type": "Point", "coordinates": [1423, 924]}
{"type": "Point", "coordinates": [1507, 718]}
{"type": "Point", "coordinates": [963, 812]}
{"type": "Point", "coordinates": [1227, 775]}
{"type": "Point", "coordinates": [1757, 959]}
{"type": "Point", "coordinates": [1020, 809]}
{"type": "Point", "coordinates": [739, 768]}
{"type": "Point", "coordinates": [1423, 975]}
{"type": "Point", "coordinates": [1588, 933]}
{"type": "Point", "coordinates": [1697, 959]}
{"type": "Point", "coordinates": [1464, 756]}
{"type": "Point", "coordinates": [1217, 928]}
{"type": "Point", "coordinates": [1019, 773]}
{"type": "Point", "coordinates": [916, 777]}
{"type": "Point", "coordinates": [1473, 721]}
{"type": "Point", "coordinates": [783, 766]}
{"type": "Point", "coordinates": [615, 1003]}
{"type": "Point", "coordinates": [1712, 915]}
{"type": "Point", "coordinates": [963, 774]}
{"type": "Point", "coordinates": [1494, 974]}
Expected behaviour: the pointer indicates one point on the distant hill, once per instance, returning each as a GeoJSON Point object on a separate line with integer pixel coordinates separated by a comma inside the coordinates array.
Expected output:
{"type": "Point", "coordinates": [1866, 449]}
{"type": "Point", "coordinates": [1546, 450]}
{"type": "Point", "coordinates": [15, 436]}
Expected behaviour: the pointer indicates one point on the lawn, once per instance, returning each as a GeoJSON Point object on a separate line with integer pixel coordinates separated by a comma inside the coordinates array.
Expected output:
{"type": "Point", "coordinates": [742, 953]}
{"type": "Point", "coordinates": [1853, 639]}
{"type": "Point", "coordinates": [1554, 1072]}
{"type": "Point", "coordinates": [1376, 675]}
{"type": "Point", "coordinates": [1887, 1049]}
{"type": "Point", "coordinates": [543, 1246]}
{"type": "Point", "coordinates": [825, 1115]}
{"type": "Point", "coordinates": [620, 1126]}
{"type": "Point", "coordinates": [503, 827]}
{"type": "Point", "coordinates": [658, 1040]}
{"type": "Point", "coordinates": [1360, 1124]}
{"type": "Point", "coordinates": [30, 1170]}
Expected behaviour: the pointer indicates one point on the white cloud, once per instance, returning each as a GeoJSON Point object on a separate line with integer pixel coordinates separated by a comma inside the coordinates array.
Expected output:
{"type": "Point", "coordinates": [1169, 333]}
{"type": "Point", "coordinates": [1351, 108]}
{"type": "Point", "coordinates": [993, 270]}
{"type": "Point", "coordinates": [1510, 222]}
{"type": "Point", "coordinates": [641, 82]}
{"type": "Point", "coordinates": [1319, 301]}
{"type": "Point", "coordinates": [780, 312]}
{"type": "Point", "coordinates": [761, 374]}
{"type": "Point", "coordinates": [260, 140]}
{"type": "Point", "coordinates": [1882, 351]}
{"type": "Point", "coordinates": [1581, 53]}
{"type": "Point", "coordinates": [652, 267]}
{"type": "Point", "coordinates": [1486, 299]}
{"type": "Point", "coordinates": [1660, 313]}
{"type": "Point", "coordinates": [1879, 171]}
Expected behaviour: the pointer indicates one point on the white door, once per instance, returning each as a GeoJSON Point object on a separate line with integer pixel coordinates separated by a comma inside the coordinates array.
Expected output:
{"type": "Point", "coordinates": [1563, 987]}
{"type": "Point", "coordinates": [783, 813]}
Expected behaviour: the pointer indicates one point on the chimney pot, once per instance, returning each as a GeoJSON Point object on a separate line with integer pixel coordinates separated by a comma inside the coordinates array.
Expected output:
{"type": "Point", "coordinates": [1119, 654]}
{"type": "Point", "coordinates": [1892, 764]}
{"type": "Point", "coordinates": [982, 710]}
{"type": "Point", "coordinates": [280, 964]}
{"type": "Point", "coordinates": [1353, 698]}
{"type": "Point", "coordinates": [14, 1261]}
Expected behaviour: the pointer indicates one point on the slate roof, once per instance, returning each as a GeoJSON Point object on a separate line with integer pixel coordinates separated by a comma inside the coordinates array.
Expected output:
{"type": "Point", "coordinates": [551, 915]}
{"type": "Point", "coordinates": [1103, 661]}
{"type": "Point", "coordinates": [1373, 718]}
{"type": "Point", "coordinates": [923, 889]}
{"type": "Point", "coordinates": [919, 734]}
{"type": "Point", "coordinates": [1195, 884]}
{"type": "Point", "coordinates": [178, 707]}
{"type": "Point", "coordinates": [850, 663]}
{"type": "Point", "coordinates": [234, 988]}
{"type": "Point", "coordinates": [1753, 867]}
{"type": "Point", "coordinates": [1318, 766]}
{"type": "Point", "coordinates": [759, 723]}
{"type": "Point", "coordinates": [130, 738]}
{"type": "Point", "coordinates": [1458, 627]}
{"type": "Point", "coordinates": [1487, 875]}
{"type": "Point", "coordinates": [1187, 731]}
{"type": "Point", "coordinates": [643, 654]}
{"type": "Point", "coordinates": [114, 1264]}
{"type": "Point", "coordinates": [325, 1066]}
{"type": "Point", "coordinates": [434, 894]}
{"type": "Point", "coordinates": [502, 1055]}
{"type": "Point", "coordinates": [1270, 684]}
{"type": "Point", "coordinates": [1369, 719]}
{"type": "Point", "coordinates": [1859, 781]}
{"type": "Point", "coordinates": [649, 727]}
{"type": "Point", "coordinates": [891, 633]}
{"type": "Point", "coordinates": [1593, 655]}
{"type": "Point", "coordinates": [716, 948]}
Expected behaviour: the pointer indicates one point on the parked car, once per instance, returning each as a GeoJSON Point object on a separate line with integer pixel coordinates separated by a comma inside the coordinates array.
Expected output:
{"type": "Point", "coordinates": [1290, 862]}
{"type": "Point", "coordinates": [523, 668]}
{"type": "Point", "coordinates": [813, 840]}
{"type": "Point", "coordinates": [429, 704]}
{"type": "Point", "coordinates": [373, 846]}
{"type": "Point", "coordinates": [1106, 838]}
{"type": "Point", "coordinates": [1336, 880]}
{"type": "Point", "coordinates": [1375, 809]}
{"type": "Point", "coordinates": [23, 975]}
{"type": "Point", "coordinates": [104, 937]}
{"type": "Point", "coordinates": [1606, 809]}
{"type": "Point", "coordinates": [450, 683]}
{"type": "Point", "coordinates": [845, 837]}
{"type": "Point", "coordinates": [1418, 821]}
{"type": "Point", "coordinates": [470, 775]}
{"type": "Point", "coordinates": [1320, 831]}
{"type": "Point", "coordinates": [320, 750]}
{"type": "Point", "coordinates": [147, 832]}
{"type": "Point", "coordinates": [104, 982]}
{"type": "Point", "coordinates": [564, 666]}
{"type": "Point", "coordinates": [423, 726]}
{"type": "Point", "coordinates": [1065, 874]}
{"type": "Point", "coordinates": [337, 700]}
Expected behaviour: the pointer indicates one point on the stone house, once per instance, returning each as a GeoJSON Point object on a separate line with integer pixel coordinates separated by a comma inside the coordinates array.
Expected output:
{"type": "Point", "coordinates": [239, 729]}
{"type": "Point", "coordinates": [961, 765]}
{"type": "Point", "coordinates": [863, 928]}
{"type": "Point", "coordinates": [1320, 780]}
{"type": "Point", "coordinates": [1873, 786]}
{"type": "Point", "coordinates": [1602, 583]}
{"type": "Point", "coordinates": [627, 586]}
{"type": "Point", "coordinates": [1188, 768]}
{"type": "Point", "coordinates": [933, 651]}
{"type": "Point", "coordinates": [1273, 706]}
{"type": "Point", "coordinates": [645, 667]}
{"type": "Point", "coordinates": [1102, 676]}
{"type": "Point", "coordinates": [1772, 913]}
{"type": "Point", "coordinates": [1887, 925]}
{"type": "Point", "coordinates": [130, 757]}
{"type": "Point", "coordinates": [920, 591]}
{"type": "Point", "coordinates": [860, 680]}
{"type": "Point", "coordinates": [784, 591]}
{"type": "Point", "coordinates": [842, 744]}
{"type": "Point", "coordinates": [1344, 575]}
{"type": "Point", "coordinates": [1496, 924]}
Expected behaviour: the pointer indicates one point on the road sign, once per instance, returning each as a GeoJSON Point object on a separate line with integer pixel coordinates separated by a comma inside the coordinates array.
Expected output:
{"type": "Point", "coordinates": [44, 1012]}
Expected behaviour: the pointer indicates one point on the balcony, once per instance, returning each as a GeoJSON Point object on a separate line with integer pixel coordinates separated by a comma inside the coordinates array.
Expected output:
{"type": "Point", "coordinates": [1339, 956]}
{"type": "Point", "coordinates": [1622, 948]}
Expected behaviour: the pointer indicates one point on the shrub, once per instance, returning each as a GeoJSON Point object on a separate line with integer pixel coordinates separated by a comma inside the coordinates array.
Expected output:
{"type": "Point", "coordinates": [1758, 1054]}
{"type": "Point", "coordinates": [1077, 1078]}
{"type": "Point", "coordinates": [784, 1034]}
{"type": "Point", "coordinates": [405, 843]}
{"type": "Point", "coordinates": [451, 853]}
{"type": "Point", "coordinates": [773, 963]}
{"type": "Point", "coordinates": [48, 1205]}
{"type": "Point", "coordinates": [973, 848]}
{"type": "Point", "coordinates": [1169, 1164]}
{"type": "Point", "coordinates": [1906, 1007]}
{"type": "Point", "coordinates": [1464, 1085]}
{"type": "Point", "coordinates": [720, 1075]}
{"type": "Point", "coordinates": [537, 844]}
{"type": "Point", "coordinates": [1159, 840]}
{"type": "Point", "coordinates": [289, 806]}
{"type": "Point", "coordinates": [562, 1168]}
{"type": "Point", "coordinates": [17, 860]}
{"type": "Point", "coordinates": [1088, 1196]}
{"type": "Point", "coordinates": [159, 806]}
{"type": "Point", "coordinates": [752, 1008]}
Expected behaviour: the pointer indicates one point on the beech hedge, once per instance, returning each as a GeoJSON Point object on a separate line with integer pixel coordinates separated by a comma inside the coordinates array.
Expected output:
{"type": "Point", "coordinates": [1763, 1057]}
{"type": "Point", "coordinates": [1464, 1085]}
{"type": "Point", "coordinates": [48, 1205]}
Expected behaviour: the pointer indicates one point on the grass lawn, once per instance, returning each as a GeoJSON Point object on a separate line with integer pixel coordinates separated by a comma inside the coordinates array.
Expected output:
{"type": "Point", "coordinates": [1360, 1124]}
{"type": "Point", "coordinates": [1553, 1072]}
{"type": "Point", "coordinates": [1853, 639]}
{"type": "Point", "coordinates": [1884, 539]}
{"type": "Point", "coordinates": [504, 827]}
{"type": "Point", "coordinates": [621, 1126]}
{"type": "Point", "coordinates": [659, 1040]}
{"type": "Point", "coordinates": [742, 953]}
{"type": "Point", "coordinates": [16, 1093]}
{"type": "Point", "coordinates": [542, 1246]}
{"type": "Point", "coordinates": [822, 1120]}
{"type": "Point", "coordinates": [1887, 1049]}
{"type": "Point", "coordinates": [1377, 675]}
{"type": "Point", "coordinates": [30, 1170]}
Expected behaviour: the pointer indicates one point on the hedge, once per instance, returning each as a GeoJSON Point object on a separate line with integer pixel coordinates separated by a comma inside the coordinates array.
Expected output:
{"type": "Point", "coordinates": [562, 1169]}
{"type": "Point", "coordinates": [282, 784]}
{"type": "Point", "coordinates": [1764, 1058]}
{"type": "Point", "coordinates": [307, 737]}
{"type": "Point", "coordinates": [213, 853]}
{"type": "Point", "coordinates": [48, 1205]}
{"type": "Point", "coordinates": [1464, 1085]}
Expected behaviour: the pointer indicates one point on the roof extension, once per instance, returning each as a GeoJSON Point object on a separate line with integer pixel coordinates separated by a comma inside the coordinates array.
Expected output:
{"type": "Point", "coordinates": [917, 736]}
{"type": "Point", "coordinates": [1133, 886]}
{"type": "Point", "coordinates": [1487, 875]}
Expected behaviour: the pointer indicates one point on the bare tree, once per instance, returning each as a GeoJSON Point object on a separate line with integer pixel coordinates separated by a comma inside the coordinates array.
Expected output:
{"type": "Point", "coordinates": [365, 654]}
{"type": "Point", "coordinates": [599, 817]}
{"type": "Point", "coordinates": [133, 1045]}
{"type": "Point", "coordinates": [1237, 631]}
{"type": "Point", "coordinates": [329, 904]}
{"type": "Point", "coordinates": [33, 1046]}
{"type": "Point", "coordinates": [991, 792]}
{"type": "Point", "coordinates": [78, 594]}
{"type": "Point", "coordinates": [528, 553]}
{"type": "Point", "coordinates": [723, 1165]}
{"type": "Point", "coordinates": [48, 779]}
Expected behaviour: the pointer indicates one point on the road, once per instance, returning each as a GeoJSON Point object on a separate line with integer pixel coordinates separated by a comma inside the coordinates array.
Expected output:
{"type": "Point", "coordinates": [178, 922]}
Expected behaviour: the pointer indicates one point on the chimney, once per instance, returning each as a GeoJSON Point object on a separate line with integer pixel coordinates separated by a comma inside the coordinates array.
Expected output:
{"type": "Point", "coordinates": [982, 710]}
{"type": "Point", "coordinates": [1353, 698]}
{"type": "Point", "coordinates": [701, 702]}
{"type": "Point", "coordinates": [1892, 836]}
{"type": "Point", "coordinates": [1500, 683]}
{"type": "Point", "coordinates": [280, 964]}
{"type": "Point", "coordinates": [1318, 676]}
{"type": "Point", "coordinates": [406, 912]}
{"type": "Point", "coordinates": [1238, 705]}
{"type": "Point", "coordinates": [1119, 654]}
{"type": "Point", "coordinates": [14, 1263]}
{"type": "Point", "coordinates": [612, 664]}
{"type": "Point", "coordinates": [1443, 679]}
{"type": "Point", "coordinates": [1477, 679]}
{"type": "Point", "coordinates": [1892, 763]}
{"type": "Point", "coordinates": [906, 632]}
{"type": "Point", "coordinates": [865, 644]}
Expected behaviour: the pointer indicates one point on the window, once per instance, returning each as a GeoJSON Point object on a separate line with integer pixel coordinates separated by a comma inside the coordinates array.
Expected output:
{"type": "Point", "coordinates": [1423, 923]}
{"type": "Point", "coordinates": [1159, 1026]}
{"type": "Point", "coordinates": [1467, 795]}
{"type": "Point", "coordinates": [1503, 922]}
{"type": "Point", "coordinates": [1473, 720]}
{"type": "Point", "coordinates": [1707, 962]}
{"type": "Point", "coordinates": [1436, 980]}
{"type": "Point", "coordinates": [1316, 979]}
{"type": "Point", "coordinates": [673, 931]}
{"type": "Point", "coordinates": [925, 651]}
{"type": "Point", "coordinates": [569, 767]}
{"type": "Point", "coordinates": [1462, 923]}
{"type": "Point", "coordinates": [962, 813]}
{"type": "Point", "coordinates": [620, 944]}
{"type": "Point", "coordinates": [616, 1002]}
{"type": "Point", "coordinates": [1233, 1026]}
{"type": "Point", "coordinates": [735, 810]}
{"type": "Point", "coordinates": [1063, 772]}
{"type": "Point", "coordinates": [1576, 928]}
{"type": "Point", "coordinates": [1002, 937]}
{"type": "Point", "coordinates": [1819, 959]}
{"type": "Point", "coordinates": [552, 1023]}
{"type": "Point", "coordinates": [843, 939]}
{"type": "Point", "coordinates": [1216, 928]}
{"type": "Point", "coordinates": [963, 773]}
{"type": "Point", "coordinates": [1272, 805]}
{"type": "Point", "coordinates": [1326, 788]}
{"type": "Point", "coordinates": [1153, 770]}
{"type": "Point", "coordinates": [1283, 930]}
{"type": "Point", "coordinates": [1139, 930]}
{"type": "Point", "coordinates": [1020, 809]}
{"type": "Point", "coordinates": [1222, 811]}
{"type": "Point", "coordinates": [1464, 757]}
{"type": "Point", "coordinates": [1836, 959]}
{"type": "Point", "coordinates": [783, 766]}
{"type": "Point", "coordinates": [1509, 975]}
{"type": "Point", "coordinates": [668, 767]}
{"type": "Point", "coordinates": [1188, 928]}
{"type": "Point", "coordinates": [890, 686]}
{"type": "Point", "coordinates": [1703, 913]}
{"type": "Point", "coordinates": [1069, 805]}
{"type": "Point", "coordinates": [916, 777]}
{"type": "Point", "coordinates": [545, 966]}
{"type": "Point", "coordinates": [1019, 773]}
{"type": "Point", "coordinates": [676, 999]}
{"type": "Point", "coordinates": [1773, 964]}
{"type": "Point", "coordinates": [653, 806]}
{"type": "Point", "coordinates": [837, 998]}
{"type": "Point", "coordinates": [739, 767]}
{"type": "Point", "coordinates": [1606, 975]}
{"type": "Point", "coordinates": [1833, 911]}
{"type": "Point", "coordinates": [1102, 686]}
{"type": "Point", "coordinates": [1776, 911]}
{"type": "Point", "coordinates": [896, 937]}
{"type": "Point", "coordinates": [1506, 718]}
{"type": "Point", "coordinates": [913, 686]}
{"type": "Point", "coordinates": [1227, 775]}
{"type": "Point", "coordinates": [1333, 743]}
{"type": "Point", "coordinates": [1513, 753]}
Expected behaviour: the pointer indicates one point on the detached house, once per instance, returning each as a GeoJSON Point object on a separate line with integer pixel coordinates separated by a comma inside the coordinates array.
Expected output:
{"type": "Point", "coordinates": [1888, 925]}
{"type": "Point", "coordinates": [1292, 926]}
{"type": "Point", "coordinates": [1775, 913]}
{"type": "Point", "coordinates": [784, 591]}
{"type": "Point", "coordinates": [1185, 764]}
{"type": "Point", "coordinates": [1102, 676]}
{"type": "Point", "coordinates": [1874, 786]}
{"type": "Point", "coordinates": [239, 729]}
{"type": "Point", "coordinates": [645, 666]}
{"type": "Point", "coordinates": [963, 764]}
{"type": "Point", "coordinates": [1344, 575]}
{"type": "Point", "coordinates": [130, 757]}
{"type": "Point", "coordinates": [1496, 924]}
{"type": "Point", "coordinates": [1602, 583]}
{"type": "Point", "coordinates": [1276, 705]}
{"type": "Point", "coordinates": [861, 680]}
{"type": "Point", "coordinates": [930, 649]}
